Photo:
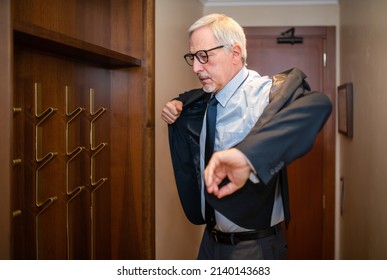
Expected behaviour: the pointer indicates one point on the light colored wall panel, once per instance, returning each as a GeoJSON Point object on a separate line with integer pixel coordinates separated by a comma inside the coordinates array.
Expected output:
{"type": "Point", "coordinates": [176, 238]}
{"type": "Point", "coordinates": [363, 159]}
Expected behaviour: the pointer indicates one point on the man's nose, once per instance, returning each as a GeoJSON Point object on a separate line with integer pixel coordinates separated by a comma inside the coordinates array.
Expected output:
{"type": "Point", "coordinates": [197, 66]}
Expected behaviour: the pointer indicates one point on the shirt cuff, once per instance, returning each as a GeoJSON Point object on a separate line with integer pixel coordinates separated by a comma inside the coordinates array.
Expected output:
{"type": "Point", "coordinates": [253, 177]}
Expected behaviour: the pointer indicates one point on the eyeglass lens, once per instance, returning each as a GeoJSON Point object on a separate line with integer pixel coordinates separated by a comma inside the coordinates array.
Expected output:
{"type": "Point", "coordinates": [201, 56]}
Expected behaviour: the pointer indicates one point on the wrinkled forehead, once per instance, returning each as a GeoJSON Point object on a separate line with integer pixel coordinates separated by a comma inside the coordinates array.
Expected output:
{"type": "Point", "coordinates": [202, 39]}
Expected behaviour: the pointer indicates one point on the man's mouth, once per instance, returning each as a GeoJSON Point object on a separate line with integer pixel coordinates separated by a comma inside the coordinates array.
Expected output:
{"type": "Point", "coordinates": [203, 78]}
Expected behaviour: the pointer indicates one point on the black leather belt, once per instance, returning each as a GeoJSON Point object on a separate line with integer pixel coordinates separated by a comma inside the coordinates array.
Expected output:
{"type": "Point", "coordinates": [234, 238]}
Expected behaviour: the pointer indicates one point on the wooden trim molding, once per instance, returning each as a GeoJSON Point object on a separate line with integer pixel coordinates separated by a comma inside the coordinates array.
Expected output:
{"type": "Point", "coordinates": [5, 128]}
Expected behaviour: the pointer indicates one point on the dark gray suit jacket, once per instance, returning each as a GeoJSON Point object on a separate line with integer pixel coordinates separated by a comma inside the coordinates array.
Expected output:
{"type": "Point", "coordinates": [285, 131]}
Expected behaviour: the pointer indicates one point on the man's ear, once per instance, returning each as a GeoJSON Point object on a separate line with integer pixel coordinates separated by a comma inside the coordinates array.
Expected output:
{"type": "Point", "coordinates": [236, 54]}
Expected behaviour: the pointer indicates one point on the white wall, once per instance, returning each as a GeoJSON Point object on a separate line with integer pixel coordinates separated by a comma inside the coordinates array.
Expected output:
{"type": "Point", "coordinates": [295, 15]}
{"type": "Point", "coordinates": [175, 237]}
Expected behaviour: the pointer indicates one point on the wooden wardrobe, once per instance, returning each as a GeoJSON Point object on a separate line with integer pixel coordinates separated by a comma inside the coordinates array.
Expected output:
{"type": "Point", "coordinates": [77, 129]}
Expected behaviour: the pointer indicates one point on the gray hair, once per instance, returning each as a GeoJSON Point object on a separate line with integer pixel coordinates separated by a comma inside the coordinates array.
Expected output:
{"type": "Point", "coordinates": [226, 30]}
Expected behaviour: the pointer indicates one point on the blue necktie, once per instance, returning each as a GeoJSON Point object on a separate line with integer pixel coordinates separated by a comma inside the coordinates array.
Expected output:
{"type": "Point", "coordinates": [210, 140]}
{"type": "Point", "coordinates": [211, 127]}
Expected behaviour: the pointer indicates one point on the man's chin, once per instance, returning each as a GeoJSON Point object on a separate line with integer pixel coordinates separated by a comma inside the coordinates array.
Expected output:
{"type": "Point", "coordinates": [209, 89]}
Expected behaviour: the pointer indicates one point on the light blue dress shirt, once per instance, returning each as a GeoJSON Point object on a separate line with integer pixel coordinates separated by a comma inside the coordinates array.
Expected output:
{"type": "Point", "coordinates": [241, 102]}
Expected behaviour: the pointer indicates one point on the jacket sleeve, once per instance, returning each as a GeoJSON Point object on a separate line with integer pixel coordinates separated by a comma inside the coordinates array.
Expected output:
{"type": "Point", "coordinates": [288, 135]}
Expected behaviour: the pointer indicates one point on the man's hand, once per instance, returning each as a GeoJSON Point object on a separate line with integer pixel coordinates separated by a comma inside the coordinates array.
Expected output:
{"type": "Point", "coordinates": [230, 163]}
{"type": "Point", "coordinates": [171, 111]}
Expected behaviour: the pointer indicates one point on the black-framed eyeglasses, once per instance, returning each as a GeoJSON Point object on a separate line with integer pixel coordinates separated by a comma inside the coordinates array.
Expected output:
{"type": "Point", "coordinates": [201, 56]}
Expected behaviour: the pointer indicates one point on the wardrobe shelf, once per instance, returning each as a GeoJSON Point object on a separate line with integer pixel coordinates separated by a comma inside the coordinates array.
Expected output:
{"type": "Point", "coordinates": [34, 36]}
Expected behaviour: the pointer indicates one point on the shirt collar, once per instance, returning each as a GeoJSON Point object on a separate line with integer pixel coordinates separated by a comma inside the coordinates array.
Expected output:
{"type": "Point", "coordinates": [224, 95]}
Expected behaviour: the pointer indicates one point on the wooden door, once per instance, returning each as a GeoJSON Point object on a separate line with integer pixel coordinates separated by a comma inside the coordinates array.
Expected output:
{"type": "Point", "coordinates": [311, 178]}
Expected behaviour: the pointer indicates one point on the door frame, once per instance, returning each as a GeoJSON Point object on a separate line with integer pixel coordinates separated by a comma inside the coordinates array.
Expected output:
{"type": "Point", "coordinates": [6, 86]}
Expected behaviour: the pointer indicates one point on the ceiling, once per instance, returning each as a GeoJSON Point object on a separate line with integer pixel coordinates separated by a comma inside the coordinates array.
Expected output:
{"type": "Point", "coordinates": [265, 2]}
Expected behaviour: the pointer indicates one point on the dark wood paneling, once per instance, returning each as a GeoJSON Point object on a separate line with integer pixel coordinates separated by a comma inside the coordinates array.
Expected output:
{"type": "Point", "coordinates": [132, 136]}
{"type": "Point", "coordinates": [149, 131]}
{"type": "Point", "coordinates": [72, 46]}
{"type": "Point", "coordinates": [5, 127]}
{"type": "Point", "coordinates": [54, 229]}
{"type": "Point", "coordinates": [59, 44]}
{"type": "Point", "coordinates": [84, 20]}
{"type": "Point", "coordinates": [127, 162]}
